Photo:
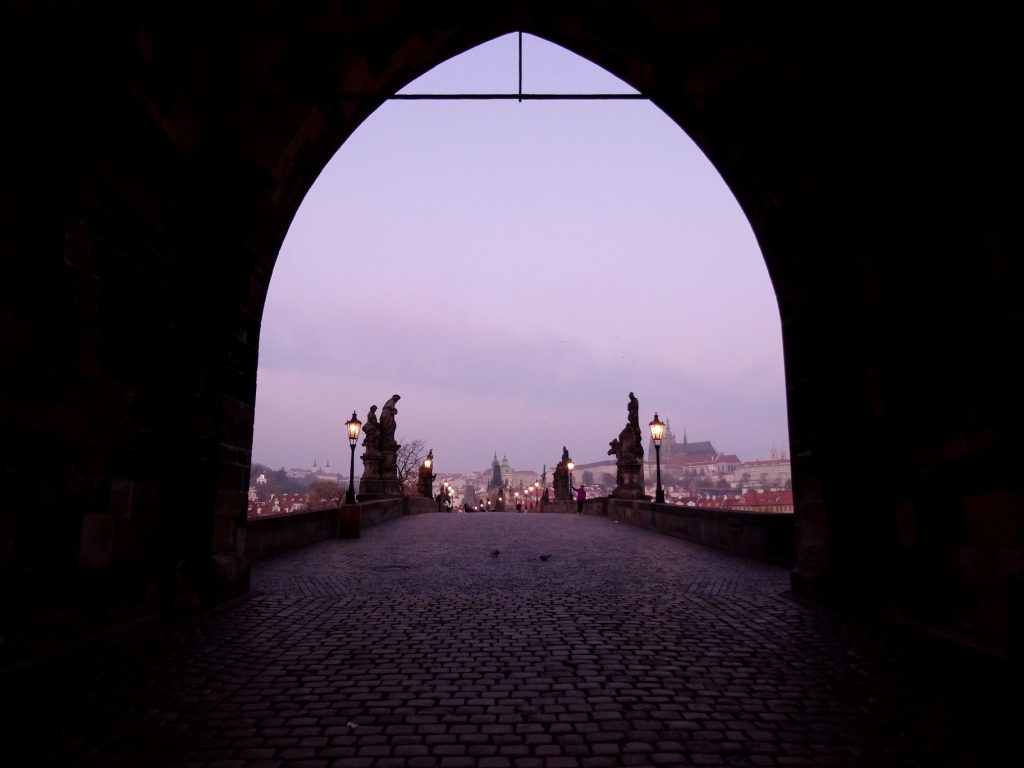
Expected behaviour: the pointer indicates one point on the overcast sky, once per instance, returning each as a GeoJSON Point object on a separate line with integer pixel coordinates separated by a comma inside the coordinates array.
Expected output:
{"type": "Point", "coordinates": [513, 270]}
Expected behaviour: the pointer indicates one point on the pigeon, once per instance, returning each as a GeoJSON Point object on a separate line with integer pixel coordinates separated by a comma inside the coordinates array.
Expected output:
{"type": "Point", "coordinates": [495, 553]}
{"type": "Point", "coordinates": [351, 725]}
{"type": "Point", "coordinates": [544, 557]}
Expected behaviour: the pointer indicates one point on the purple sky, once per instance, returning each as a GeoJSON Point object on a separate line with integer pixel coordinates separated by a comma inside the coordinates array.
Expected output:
{"type": "Point", "coordinates": [513, 270]}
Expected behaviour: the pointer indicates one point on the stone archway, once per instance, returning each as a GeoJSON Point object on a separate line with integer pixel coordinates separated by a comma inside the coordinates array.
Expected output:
{"type": "Point", "coordinates": [155, 160]}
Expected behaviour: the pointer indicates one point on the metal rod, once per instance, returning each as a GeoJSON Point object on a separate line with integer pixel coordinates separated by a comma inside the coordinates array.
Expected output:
{"type": "Point", "coordinates": [659, 494]}
{"type": "Point", "coordinates": [520, 66]}
{"type": "Point", "coordinates": [350, 495]}
{"type": "Point", "coordinates": [499, 96]}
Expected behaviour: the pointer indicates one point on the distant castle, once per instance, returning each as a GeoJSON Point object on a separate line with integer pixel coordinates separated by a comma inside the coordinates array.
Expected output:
{"type": "Point", "coordinates": [681, 453]}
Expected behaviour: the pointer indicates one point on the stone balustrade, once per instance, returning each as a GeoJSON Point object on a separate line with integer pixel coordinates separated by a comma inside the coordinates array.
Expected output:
{"type": "Point", "coordinates": [267, 536]}
{"type": "Point", "coordinates": [767, 536]}
{"type": "Point", "coordinates": [764, 536]}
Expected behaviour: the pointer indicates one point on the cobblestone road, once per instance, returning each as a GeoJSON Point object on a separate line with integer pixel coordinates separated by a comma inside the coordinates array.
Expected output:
{"type": "Point", "coordinates": [580, 643]}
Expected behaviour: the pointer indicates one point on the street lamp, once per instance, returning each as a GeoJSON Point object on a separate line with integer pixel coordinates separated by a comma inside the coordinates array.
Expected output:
{"type": "Point", "coordinates": [657, 431]}
{"type": "Point", "coordinates": [353, 426]}
{"type": "Point", "coordinates": [571, 466]}
{"type": "Point", "coordinates": [425, 480]}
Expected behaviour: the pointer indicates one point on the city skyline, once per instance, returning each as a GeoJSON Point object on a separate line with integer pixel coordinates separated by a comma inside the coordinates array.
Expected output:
{"type": "Point", "coordinates": [483, 261]}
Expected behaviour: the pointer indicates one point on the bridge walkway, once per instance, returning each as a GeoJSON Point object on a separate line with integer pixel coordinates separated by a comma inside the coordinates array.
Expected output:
{"type": "Point", "coordinates": [504, 640]}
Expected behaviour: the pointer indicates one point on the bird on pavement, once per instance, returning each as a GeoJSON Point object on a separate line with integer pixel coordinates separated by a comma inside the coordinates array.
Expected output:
{"type": "Point", "coordinates": [544, 557]}
{"type": "Point", "coordinates": [495, 553]}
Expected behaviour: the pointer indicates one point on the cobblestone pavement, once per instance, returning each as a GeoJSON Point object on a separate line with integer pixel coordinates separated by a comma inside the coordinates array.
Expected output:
{"type": "Point", "coordinates": [580, 643]}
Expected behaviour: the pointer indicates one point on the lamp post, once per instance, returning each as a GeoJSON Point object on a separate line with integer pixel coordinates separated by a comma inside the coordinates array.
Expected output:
{"type": "Point", "coordinates": [353, 426]}
{"type": "Point", "coordinates": [425, 481]}
{"type": "Point", "coordinates": [657, 431]}
{"type": "Point", "coordinates": [571, 466]}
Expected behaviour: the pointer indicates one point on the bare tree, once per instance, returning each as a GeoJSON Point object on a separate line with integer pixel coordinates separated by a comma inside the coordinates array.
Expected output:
{"type": "Point", "coordinates": [407, 463]}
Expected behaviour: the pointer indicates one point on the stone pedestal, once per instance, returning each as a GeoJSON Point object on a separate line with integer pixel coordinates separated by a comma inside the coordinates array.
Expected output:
{"type": "Point", "coordinates": [348, 522]}
{"type": "Point", "coordinates": [390, 485]}
{"type": "Point", "coordinates": [631, 481]}
{"type": "Point", "coordinates": [370, 485]}
{"type": "Point", "coordinates": [560, 481]}
{"type": "Point", "coordinates": [425, 483]}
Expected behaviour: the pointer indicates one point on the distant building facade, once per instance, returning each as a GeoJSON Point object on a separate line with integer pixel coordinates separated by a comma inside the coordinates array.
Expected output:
{"type": "Point", "coordinates": [316, 474]}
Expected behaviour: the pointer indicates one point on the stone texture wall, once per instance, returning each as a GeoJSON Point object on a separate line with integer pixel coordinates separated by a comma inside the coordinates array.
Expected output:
{"type": "Point", "coordinates": [760, 535]}
{"type": "Point", "coordinates": [152, 167]}
{"type": "Point", "coordinates": [267, 536]}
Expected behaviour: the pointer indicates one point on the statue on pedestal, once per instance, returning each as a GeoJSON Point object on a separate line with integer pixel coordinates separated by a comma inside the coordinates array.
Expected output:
{"type": "Point", "coordinates": [628, 449]}
{"type": "Point", "coordinates": [561, 478]}
{"type": "Point", "coordinates": [425, 481]}
{"type": "Point", "coordinates": [389, 449]}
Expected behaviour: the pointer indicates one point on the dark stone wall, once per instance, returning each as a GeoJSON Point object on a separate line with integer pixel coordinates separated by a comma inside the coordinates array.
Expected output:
{"type": "Point", "coordinates": [762, 536]}
{"type": "Point", "coordinates": [274, 534]}
{"type": "Point", "coordinates": [153, 159]}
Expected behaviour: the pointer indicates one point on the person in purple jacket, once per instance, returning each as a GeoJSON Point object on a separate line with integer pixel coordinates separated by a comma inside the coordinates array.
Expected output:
{"type": "Point", "coordinates": [581, 495]}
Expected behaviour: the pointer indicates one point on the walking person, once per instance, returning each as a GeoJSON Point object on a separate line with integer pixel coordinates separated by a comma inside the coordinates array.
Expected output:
{"type": "Point", "coordinates": [581, 496]}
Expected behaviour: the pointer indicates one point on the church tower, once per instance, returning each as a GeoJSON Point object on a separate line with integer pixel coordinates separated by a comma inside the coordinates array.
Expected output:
{"type": "Point", "coordinates": [496, 479]}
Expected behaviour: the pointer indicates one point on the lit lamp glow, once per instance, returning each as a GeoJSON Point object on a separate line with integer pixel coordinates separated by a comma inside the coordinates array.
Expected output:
{"type": "Point", "coordinates": [657, 432]}
{"type": "Point", "coordinates": [571, 466]}
{"type": "Point", "coordinates": [352, 426]}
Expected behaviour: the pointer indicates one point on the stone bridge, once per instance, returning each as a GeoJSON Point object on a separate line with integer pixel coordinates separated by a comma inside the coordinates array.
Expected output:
{"type": "Point", "coordinates": [512, 640]}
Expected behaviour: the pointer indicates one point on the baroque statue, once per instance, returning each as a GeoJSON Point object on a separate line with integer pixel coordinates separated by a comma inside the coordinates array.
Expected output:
{"type": "Point", "coordinates": [628, 449]}
{"type": "Point", "coordinates": [387, 422]}
{"type": "Point", "coordinates": [371, 432]}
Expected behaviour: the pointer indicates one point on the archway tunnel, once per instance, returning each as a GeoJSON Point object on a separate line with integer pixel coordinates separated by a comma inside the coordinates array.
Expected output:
{"type": "Point", "coordinates": [155, 159]}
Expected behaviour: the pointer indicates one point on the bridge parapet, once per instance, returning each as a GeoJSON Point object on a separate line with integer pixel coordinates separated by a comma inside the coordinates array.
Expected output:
{"type": "Point", "coordinates": [768, 536]}
{"type": "Point", "coordinates": [268, 536]}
